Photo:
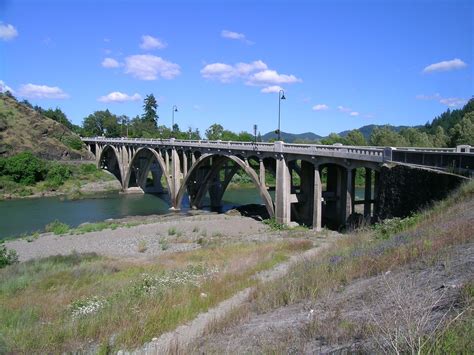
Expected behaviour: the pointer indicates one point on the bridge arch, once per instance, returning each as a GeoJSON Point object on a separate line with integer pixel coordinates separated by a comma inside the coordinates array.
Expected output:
{"type": "Point", "coordinates": [150, 155]}
{"type": "Point", "coordinates": [217, 162]}
{"type": "Point", "coordinates": [109, 160]}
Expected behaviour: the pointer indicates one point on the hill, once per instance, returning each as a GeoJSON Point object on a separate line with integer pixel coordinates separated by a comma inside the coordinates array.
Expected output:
{"type": "Point", "coordinates": [291, 137]}
{"type": "Point", "coordinates": [367, 130]}
{"type": "Point", "coordinates": [24, 129]}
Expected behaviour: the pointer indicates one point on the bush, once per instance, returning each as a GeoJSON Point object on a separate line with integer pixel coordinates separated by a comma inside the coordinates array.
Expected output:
{"type": "Point", "coordinates": [24, 168]}
{"type": "Point", "coordinates": [88, 169]}
{"type": "Point", "coordinates": [7, 257]}
{"type": "Point", "coordinates": [73, 142]}
{"type": "Point", "coordinates": [58, 174]}
{"type": "Point", "coordinates": [57, 227]}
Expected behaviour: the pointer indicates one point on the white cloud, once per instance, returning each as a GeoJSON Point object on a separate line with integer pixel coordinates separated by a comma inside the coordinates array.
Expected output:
{"type": "Point", "coordinates": [446, 65]}
{"type": "Point", "coordinates": [354, 113]}
{"type": "Point", "coordinates": [255, 73]}
{"type": "Point", "coordinates": [344, 109]}
{"type": "Point", "coordinates": [42, 92]}
{"type": "Point", "coordinates": [235, 36]}
{"type": "Point", "coordinates": [268, 77]}
{"type": "Point", "coordinates": [150, 67]}
{"type": "Point", "coordinates": [4, 87]}
{"type": "Point", "coordinates": [271, 89]}
{"type": "Point", "coordinates": [7, 32]}
{"type": "Point", "coordinates": [320, 107]}
{"type": "Point", "coordinates": [117, 96]}
{"type": "Point", "coordinates": [110, 63]}
{"type": "Point", "coordinates": [225, 73]}
{"type": "Point", "coordinates": [448, 101]}
{"type": "Point", "coordinates": [150, 42]}
{"type": "Point", "coordinates": [453, 101]}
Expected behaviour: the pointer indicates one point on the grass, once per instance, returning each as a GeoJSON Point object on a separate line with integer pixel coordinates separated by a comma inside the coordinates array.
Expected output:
{"type": "Point", "coordinates": [63, 303]}
{"type": "Point", "coordinates": [57, 227]}
{"type": "Point", "coordinates": [388, 246]}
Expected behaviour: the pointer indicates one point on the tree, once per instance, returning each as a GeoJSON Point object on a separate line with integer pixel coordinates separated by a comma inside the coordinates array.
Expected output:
{"type": "Point", "coordinates": [102, 123]}
{"type": "Point", "coordinates": [415, 137]}
{"type": "Point", "coordinates": [463, 132]}
{"type": "Point", "coordinates": [214, 132]}
{"type": "Point", "coordinates": [386, 137]}
{"type": "Point", "coordinates": [440, 138]}
{"type": "Point", "coordinates": [333, 138]}
{"type": "Point", "coordinates": [149, 106]}
{"type": "Point", "coordinates": [355, 137]}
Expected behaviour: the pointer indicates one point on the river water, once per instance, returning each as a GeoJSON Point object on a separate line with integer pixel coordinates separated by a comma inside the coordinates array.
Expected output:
{"type": "Point", "coordinates": [28, 215]}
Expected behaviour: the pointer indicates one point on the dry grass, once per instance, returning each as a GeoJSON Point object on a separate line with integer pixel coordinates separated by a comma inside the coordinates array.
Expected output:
{"type": "Point", "coordinates": [135, 300]}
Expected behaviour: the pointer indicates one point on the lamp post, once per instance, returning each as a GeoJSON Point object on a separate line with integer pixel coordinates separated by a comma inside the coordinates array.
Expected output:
{"type": "Point", "coordinates": [175, 109]}
{"type": "Point", "coordinates": [255, 133]}
{"type": "Point", "coordinates": [281, 96]}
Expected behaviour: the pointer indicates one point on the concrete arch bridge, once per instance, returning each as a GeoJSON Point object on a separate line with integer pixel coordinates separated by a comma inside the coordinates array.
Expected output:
{"type": "Point", "coordinates": [310, 184]}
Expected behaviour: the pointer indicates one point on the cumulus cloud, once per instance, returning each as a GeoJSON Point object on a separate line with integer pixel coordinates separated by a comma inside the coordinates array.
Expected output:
{"type": "Point", "coordinates": [225, 73]}
{"type": "Point", "coordinates": [150, 67]}
{"type": "Point", "coordinates": [254, 73]}
{"type": "Point", "coordinates": [267, 77]}
{"type": "Point", "coordinates": [7, 32]}
{"type": "Point", "coordinates": [118, 96]}
{"type": "Point", "coordinates": [235, 36]}
{"type": "Point", "coordinates": [320, 107]}
{"type": "Point", "coordinates": [271, 89]}
{"type": "Point", "coordinates": [34, 91]}
{"type": "Point", "coordinates": [150, 42]}
{"type": "Point", "coordinates": [4, 87]}
{"type": "Point", "coordinates": [110, 63]}
{"type": "Point", "coordinates": [446, 65]}
{"type": "Point", "coordinates": [354, 113]}
{"type": "Point", "coordinates": [448, 101]}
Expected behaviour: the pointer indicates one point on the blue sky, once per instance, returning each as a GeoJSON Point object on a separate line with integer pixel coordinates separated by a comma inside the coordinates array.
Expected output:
{"type": "Point", "coordinates": [342, 64]}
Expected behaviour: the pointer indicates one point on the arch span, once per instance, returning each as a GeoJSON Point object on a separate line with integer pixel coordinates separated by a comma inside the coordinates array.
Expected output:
{"type": "Point", "coordinates": [265, 196]}
{"type": "Point", "coordinates": [151, 155]}
{"type": "Point", "coordinates": [109, 160]}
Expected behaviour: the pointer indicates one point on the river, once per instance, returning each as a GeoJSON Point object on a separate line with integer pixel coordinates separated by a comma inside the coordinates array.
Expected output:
{"type": "Point", "coordinates": [25, 216]}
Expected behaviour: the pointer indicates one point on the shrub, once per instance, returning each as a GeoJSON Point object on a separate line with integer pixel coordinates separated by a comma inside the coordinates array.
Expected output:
{"type": "Point", "coordinates": [73, 142]}
{"type": "Point", "coordinates": [24, 168]}
{"type": "Point", "coordinates": [58, 174]}
{"type": "Point", "coordinates": [57, 227]}
{"type": "Point", "coordinates": [7, 257]}
{"type": "Point", "coordinates": [88, 169]}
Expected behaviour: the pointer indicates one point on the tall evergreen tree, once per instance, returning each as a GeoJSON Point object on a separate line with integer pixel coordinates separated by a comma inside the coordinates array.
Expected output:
{"type": "Point", "coordinates": [149, 106]}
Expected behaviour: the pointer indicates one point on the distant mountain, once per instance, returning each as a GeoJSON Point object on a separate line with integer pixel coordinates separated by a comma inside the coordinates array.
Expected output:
{"type": "Point", "coordinates": [311, 137]}
{"type": "Point", "coordinates": [291, 137]}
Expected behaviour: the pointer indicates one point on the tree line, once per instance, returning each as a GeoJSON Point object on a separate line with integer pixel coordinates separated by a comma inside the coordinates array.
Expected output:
{"type": "Point", "coordinates": [451, 128]}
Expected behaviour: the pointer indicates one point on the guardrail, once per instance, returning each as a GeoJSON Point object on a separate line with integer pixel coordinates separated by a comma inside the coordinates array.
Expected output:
{"type": "Point", "coordinates": [375, 154]}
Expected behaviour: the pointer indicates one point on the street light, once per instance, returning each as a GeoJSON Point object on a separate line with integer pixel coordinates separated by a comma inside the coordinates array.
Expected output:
{"type": "Point", "coordinates": [175, 109]}
{"type": "Point", "coordinates": [281, 96]}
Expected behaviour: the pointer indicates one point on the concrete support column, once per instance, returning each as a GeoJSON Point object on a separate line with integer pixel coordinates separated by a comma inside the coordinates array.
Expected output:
{"type": "Point", "coordinates": [261, 174]}
{"type": "Point", "coordinates": [376, 193]}
{"type": "Point", "coordinates": [368, 192]}
{"type": "Point", "coordinates": [175, 175]}
{"type": "Point", "coordinates": [98, 153]}
{"type": "Point", "coordinates": [167, 162]}
{"type": "Point", "coordinates": [185, 164]}
{"type": "Point", "coordinates": [346, 196]}
{"type": "Point", "coordinates": [193, 159]}
{"type": "Point", "coordinates": [318, 192]}
{"type": "Point", "coordinates": [282, 191]}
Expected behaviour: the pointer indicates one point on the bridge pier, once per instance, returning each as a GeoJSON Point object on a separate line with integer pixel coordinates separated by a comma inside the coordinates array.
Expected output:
{"type": "Point", "coordinates": [282, 191]}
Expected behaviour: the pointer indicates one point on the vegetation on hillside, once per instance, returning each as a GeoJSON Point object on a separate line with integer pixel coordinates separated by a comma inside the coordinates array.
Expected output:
{"type": "Point", "coordinates": [25, 174]}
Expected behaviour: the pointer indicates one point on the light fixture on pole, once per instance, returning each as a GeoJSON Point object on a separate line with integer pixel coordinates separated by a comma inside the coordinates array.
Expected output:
{"type": "Point", "coordinates": [175, 109]}
{"type": "Point", "coordinates": [281, 96]}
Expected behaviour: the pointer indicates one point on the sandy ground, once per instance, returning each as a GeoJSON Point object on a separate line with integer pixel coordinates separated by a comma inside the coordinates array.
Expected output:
{"type": "Point", "coordinates": [160, 234]}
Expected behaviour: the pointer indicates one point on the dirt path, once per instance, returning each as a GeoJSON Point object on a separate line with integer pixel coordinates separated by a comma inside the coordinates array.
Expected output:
{"type": "Point", "coordinates": [179, 339]}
